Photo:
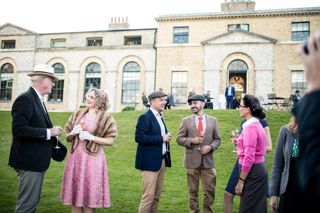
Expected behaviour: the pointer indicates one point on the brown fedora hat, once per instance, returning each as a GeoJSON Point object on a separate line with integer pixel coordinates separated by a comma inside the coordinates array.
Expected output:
{"type": "Point", "coordinates": [43, 69]}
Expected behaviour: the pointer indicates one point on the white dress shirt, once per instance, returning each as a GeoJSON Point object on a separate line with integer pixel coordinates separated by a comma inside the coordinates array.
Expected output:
{"type": "Point", "coordinates": [158, 116]}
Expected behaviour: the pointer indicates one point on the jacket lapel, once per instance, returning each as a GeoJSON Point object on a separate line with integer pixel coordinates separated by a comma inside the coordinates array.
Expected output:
{"type": "Point", "coordinates": [41, 108]}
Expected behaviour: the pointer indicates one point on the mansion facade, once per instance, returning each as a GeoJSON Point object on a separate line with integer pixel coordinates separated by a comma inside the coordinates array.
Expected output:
{"type": "Point", "coordinates": [256, 50]}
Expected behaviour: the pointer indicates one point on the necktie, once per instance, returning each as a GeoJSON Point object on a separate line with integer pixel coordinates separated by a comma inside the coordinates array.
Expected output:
{"type": "Point", "coordinates": [200, 126]}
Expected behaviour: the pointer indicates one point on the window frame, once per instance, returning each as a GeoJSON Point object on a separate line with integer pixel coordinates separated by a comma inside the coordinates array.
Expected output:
{"type": "Point", "coordinates": [96, 41]}
{"type": "Point", "coordinates": [58, 89]}
{"type": "Point", "coordinates": [4, 44]}
{"type": "Point", "coordinates": [61, 41]}
{"type": "Point", "coordinates": [6, 82]}
{"type": "Point", "coordinates": [180, 37]}
{"type": "Point", "coordinates": [132, 40]}
{"type": "Point", "coordinates": [300, 85]}
{"type": "Point", "coordinates": [180, 91]}
{"type": "Point", "coordinates": [238, 26]}
{"type": "Point", "coordinates": [295, 33]}
{"type": "Point", "coordinates": [134, 75]}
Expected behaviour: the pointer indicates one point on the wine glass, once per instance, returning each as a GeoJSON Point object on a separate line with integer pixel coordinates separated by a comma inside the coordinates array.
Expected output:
{"type": "Point", "coordinates": [57, 144]}
{"type": "Point", "coordinates": [234, 136]}
{"type": "Point", "coordinates": [167, 146]}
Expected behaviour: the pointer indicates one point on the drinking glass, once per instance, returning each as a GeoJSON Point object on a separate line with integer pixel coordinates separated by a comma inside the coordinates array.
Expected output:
{"type": "Point", "coordinates": [234, 136]}
{"type": "Point", "coordinates": [57, 144]}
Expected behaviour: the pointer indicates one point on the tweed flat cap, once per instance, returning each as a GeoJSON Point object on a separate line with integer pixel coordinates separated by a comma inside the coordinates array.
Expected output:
{"type": "Point", "coordinates": [156, 94]}
{"type": "Point", "coordinates": [196, 98]}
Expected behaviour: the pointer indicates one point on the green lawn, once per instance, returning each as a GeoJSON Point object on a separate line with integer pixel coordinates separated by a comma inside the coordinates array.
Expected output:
{"type": "Point", "coordinates": [125, 181]}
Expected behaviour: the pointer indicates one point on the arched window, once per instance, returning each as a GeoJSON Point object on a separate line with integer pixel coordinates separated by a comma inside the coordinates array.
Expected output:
{"type": "Point", "coordinates": [57, 92]}
{"type": "Point", "coordinates": [92, 77]}
{"type": "Point", "coordinates": [130, 83]}
{"type": "Point", "coordinates": [6, 79]}
{"type": "Point", "coordinates": [237, 66]}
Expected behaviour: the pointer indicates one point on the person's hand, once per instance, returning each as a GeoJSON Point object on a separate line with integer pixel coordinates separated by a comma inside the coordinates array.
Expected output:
{"type": "Point", "coordinates": [311, 61]}
{"type": "Point", "coordinates": [205, 149]}
{"type": "Point", "coordinates": [167, 137]}
{"type": "Point", "coordinates": [273, 204]}
{"type": "Point", "coordinates": [85, 135]}
{"type": "Point", "coordinates": [55, 131]}
{"type": "Point", "coordinates": [197, 140]}
{"type": "Point", "coordinates": [239, 187]}
{"type": "Point", "coordinates": [76, 130]}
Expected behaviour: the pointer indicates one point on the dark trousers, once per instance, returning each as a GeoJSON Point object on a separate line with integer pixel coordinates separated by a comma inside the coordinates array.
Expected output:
{"type": "Point", "coordinates": [29, 184]}
{"type": "Point", "coordinates": [230, 102]}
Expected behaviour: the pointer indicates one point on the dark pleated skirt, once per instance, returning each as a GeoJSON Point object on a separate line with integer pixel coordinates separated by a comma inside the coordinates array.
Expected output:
{"type": "Point", "coordinates": [255, 189]}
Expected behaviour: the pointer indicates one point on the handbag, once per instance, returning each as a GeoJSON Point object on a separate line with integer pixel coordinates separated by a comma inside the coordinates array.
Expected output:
{"type": "Point", "coordinates": [58, 154]}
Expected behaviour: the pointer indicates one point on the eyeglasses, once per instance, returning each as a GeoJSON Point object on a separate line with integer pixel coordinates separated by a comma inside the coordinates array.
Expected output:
{"type": "Point", "coordinates": [242, 106]}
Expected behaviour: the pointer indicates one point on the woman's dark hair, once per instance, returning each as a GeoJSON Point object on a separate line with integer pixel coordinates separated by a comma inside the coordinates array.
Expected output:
{"type": "Point", "coordinates": [253, 103]}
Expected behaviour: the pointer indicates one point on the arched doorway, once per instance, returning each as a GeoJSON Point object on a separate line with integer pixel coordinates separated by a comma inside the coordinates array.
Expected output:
{"type": "Point", "coordinates": [237, 70]}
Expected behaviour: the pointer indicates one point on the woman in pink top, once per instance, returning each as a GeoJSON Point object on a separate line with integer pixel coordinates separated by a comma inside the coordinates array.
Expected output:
{"type": "Point", "coordinates": [251, 148]}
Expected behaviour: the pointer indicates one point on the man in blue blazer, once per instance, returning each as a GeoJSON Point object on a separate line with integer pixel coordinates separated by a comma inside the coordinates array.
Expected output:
{"type": "Point", "coordinates": [153, 151]}
{"type": "Point", "coordinates": [32, 138]}
{"type": "Point", "coordinates": [230, 94]}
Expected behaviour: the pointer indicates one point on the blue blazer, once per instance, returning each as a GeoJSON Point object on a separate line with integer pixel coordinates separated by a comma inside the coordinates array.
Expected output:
{"type": "Point", "coordinates": [233, 92]}
{"type": "Point", "coordinates": [30, 150]}
{"type": "Point", "coordinates": [149, 140]}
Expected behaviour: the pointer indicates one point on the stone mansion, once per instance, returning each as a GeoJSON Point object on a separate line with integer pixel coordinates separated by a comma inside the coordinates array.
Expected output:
{"type": "Point", "coordinates": [253, 49]}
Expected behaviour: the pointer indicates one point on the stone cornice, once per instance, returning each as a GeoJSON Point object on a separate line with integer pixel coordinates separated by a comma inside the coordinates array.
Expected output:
{"type": "Point", "coordinates": [240, 14]}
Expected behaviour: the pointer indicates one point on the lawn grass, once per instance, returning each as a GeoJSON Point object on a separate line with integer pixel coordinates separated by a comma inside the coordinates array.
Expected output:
{"type": "Point", "coordinates": [125, 183]}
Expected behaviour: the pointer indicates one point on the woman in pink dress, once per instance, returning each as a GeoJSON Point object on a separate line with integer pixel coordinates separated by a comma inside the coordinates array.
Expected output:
{"type": "Point", "coordinates": [85, 183]}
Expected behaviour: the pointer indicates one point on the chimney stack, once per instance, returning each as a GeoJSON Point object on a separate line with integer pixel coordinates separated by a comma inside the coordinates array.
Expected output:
{"type": "Point", "coordinates": [118, 23]}
{"type": "Point", "coordinates": [237, 5]}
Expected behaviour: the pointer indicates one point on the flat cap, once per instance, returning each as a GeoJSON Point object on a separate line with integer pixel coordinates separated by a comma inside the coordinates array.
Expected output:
{"type": "Point", "coordinates": [196, 98]}
{"type": "Point", "coordinates": [156, 94]}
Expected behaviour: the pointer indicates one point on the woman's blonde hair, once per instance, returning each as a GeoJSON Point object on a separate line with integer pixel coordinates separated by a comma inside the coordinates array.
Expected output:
{"type": "Point", "coordinates": [101, 97]}
{"type": "Point", "coordinates": [293, 125]}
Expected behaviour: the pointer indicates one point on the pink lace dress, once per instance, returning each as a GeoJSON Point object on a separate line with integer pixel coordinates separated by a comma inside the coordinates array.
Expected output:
{"type": "Point", "coordinates": [85, 179]}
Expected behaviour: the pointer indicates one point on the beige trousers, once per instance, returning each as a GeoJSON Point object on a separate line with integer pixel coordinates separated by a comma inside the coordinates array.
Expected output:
{"type": "Point", "coordinates": [152, 184]}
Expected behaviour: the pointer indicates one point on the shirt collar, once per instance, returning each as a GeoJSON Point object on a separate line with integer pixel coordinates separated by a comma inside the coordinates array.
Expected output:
{"type": "Point", "coordinates": [250, 121]}
{"type": "Point", "coordinates": [197, 116]}
{"type": "Point", "coordinates": [39, 95]}
{"type": "Point", "coordinates": [156, 113]}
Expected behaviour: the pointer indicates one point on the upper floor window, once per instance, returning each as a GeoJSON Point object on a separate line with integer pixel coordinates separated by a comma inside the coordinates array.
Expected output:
{"type": "Point", "coordinates": [179, 86]}
{"type": "Point", "coordinates": [132, 40]}
{"type": "Point", "coordinates": [6, 81]}
{"type": "Point", "coordinates": [131, 83]}
{"type": "Point", "coordinates": [298, 81]}
{"type": "Point", "coordinates": [238, 26]}
{"type": "Point", "coordinates": [92, 77]}
{"type": "Point", "coordinates": [57, 92]}
{"type": "Point", "coordinates": [180, 35]}
{"type": "Point", "coordinates": [8, 44]}
{"type": "Point", "coordinates": [94, 42]}
{"type": "Point", "coordinates": [58, 43]}
{"type": "Point", "coordinates": [300, 31]}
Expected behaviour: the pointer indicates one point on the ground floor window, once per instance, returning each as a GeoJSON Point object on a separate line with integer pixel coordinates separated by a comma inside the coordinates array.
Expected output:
{"type": "Point", "coordinates": [179, 86]}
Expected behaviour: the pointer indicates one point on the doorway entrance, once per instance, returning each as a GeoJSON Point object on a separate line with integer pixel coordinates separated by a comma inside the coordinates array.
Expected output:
{"type": "Point", "coordinates": [237, 71]}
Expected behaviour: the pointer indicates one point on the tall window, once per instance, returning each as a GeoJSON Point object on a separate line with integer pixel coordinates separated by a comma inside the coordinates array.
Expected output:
{"type": "Point", "coordinates": [298, 81]}
{"type": "Point", "coordinates": [6, 79]}
{"type": "Point", "coordinates": [238, 26]}
{"type": "Point", "coordinates": [8, 44]}
{"type": "Point", "coordinates": [180, 35]}
{"type": "Point", "coordinates": [92, 77]}
{"type": "Point", "coordinates": [179, 86]}
{"type": "Point", "coordinates": [300, 31]}
{"type": "Point", "coordinates": [131, 83]}
{"type": "Point", "coordinates": [57, 92]}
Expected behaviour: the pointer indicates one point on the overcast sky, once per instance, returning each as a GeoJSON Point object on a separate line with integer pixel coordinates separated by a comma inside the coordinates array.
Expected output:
{"type": "Point", "coordinates": [50, 16]}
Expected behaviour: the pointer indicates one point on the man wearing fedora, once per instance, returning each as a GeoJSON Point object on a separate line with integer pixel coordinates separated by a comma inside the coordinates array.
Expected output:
{"type": "Point", "coordinates": [33, 137]}
{"type": "Point", "coordinates": [200, 135]}
{"type": "Point", "coordinates": [153, 151]}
